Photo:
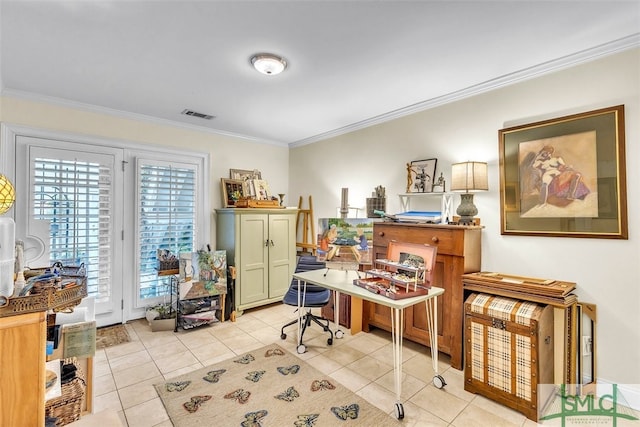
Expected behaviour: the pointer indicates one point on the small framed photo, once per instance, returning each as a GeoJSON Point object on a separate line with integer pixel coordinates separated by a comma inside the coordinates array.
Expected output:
{"type": "Point", "coordinates": [420, 175]}
{"type": "Point", "coordinates": [244, 175]}
{"type": "Point", "coordinates": [261, 189]}
{"type": "Point", "coordinates": [232, 191]}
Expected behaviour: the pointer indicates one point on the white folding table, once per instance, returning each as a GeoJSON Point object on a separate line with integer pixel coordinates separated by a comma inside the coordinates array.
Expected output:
{"type": "Point", "coordinates": [341, 282]}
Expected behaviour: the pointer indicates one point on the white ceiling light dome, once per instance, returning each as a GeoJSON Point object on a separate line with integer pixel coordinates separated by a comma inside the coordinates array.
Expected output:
{"type": "Point", "coordinates": [268, 63]}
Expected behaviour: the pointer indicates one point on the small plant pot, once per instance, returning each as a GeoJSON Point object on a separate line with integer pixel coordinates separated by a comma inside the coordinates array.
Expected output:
{"type": "Point", "coordinates": [162, 324]}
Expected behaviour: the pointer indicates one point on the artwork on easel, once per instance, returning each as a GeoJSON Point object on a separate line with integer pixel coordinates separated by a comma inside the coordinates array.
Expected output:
{"type": "Point", "coordinates": [209, 277]}
{"type": "Point", "coordinates": [345, 240]}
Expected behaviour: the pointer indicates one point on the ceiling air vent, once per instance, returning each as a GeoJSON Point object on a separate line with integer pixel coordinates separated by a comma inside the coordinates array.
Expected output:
{"type": "Point", "coordinates": [196, 114]}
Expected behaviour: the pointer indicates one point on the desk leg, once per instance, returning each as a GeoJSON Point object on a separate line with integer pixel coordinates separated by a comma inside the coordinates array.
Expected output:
{"type": "Point", "coordinates": [432, 324]}
{"type": "Point", "coordinates": [397, 323]}
{"type": "Point", "coordinates": [301, 348]}
{"type": "Point", "coordinates": [336, 314]}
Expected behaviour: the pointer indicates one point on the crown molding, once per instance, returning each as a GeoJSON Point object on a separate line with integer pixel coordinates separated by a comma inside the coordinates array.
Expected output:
{"type": "Point", "coordinates": [587, 55]}
{"type": "Point", "coordinates": [548, 67]}
{"type": "Point", "coordinates": [61, 102]}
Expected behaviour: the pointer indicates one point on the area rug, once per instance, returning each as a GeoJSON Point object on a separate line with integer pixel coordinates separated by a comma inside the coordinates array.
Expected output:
{"type": "Point", "coordinates": [265, 387]}
{"type": "Point", "coordinates": [111, 335]}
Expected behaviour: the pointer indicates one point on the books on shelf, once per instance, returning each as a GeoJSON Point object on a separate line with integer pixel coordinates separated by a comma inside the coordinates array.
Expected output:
{"type": "Point", "coordinates": [420, 216]}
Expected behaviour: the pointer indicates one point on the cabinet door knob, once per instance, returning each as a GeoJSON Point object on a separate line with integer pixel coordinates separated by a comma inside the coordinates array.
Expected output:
{"type": "Point", "coordinates": [381, 233]}
{"type": "Point", "coordinates": [435, 239]}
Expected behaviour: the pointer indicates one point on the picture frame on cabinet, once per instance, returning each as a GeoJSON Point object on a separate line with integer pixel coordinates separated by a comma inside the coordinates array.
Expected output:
{"type": "Point", "coordinates": [244, 174]}
{"type": "Point", "coordinates": [261, 189]}
{"type": "Point", "coordinates": [421, 175]}
{"type": "Point", "coordinates": [232, 191]}
{"type": "Point", "coordinates": [565, 177]}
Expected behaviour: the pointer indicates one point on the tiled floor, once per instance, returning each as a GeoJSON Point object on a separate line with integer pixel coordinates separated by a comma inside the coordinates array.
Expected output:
{"type": "Point", "coordinates": [125, 374]}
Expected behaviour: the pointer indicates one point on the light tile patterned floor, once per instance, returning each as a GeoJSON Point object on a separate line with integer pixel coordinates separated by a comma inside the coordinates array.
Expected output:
{"type": "Point", "coordinates": [125, 374]}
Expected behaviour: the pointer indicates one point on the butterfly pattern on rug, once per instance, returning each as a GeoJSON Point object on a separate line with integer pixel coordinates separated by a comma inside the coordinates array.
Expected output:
{"type": "Point", "coordinates": [346, 412]}
{"type": "Point", "coordinates": [322, 385]}
{"type": "Point", "coordinates": [288, 395]}
{"type": "Point", "coordinates": [194, 404]}
{"type": "Point", "coordinates": [307, 420]}
{"type": "Point", "coordinates": [286, 370]}
{"type": "Point", "coordinates": [246, 359]}
{"type": "Point", "coordinates": [253, 419]}
{"type": "Point", "coordinates": [214, 376]}
{"type": "Point", "coordinates": [240, 395]}
{"type": "Point", "coordinates": [255, 376]}
{"type": "Point", "coordinates": [274, 352]}
{"type": "Point", "coordinates": [176, 386]}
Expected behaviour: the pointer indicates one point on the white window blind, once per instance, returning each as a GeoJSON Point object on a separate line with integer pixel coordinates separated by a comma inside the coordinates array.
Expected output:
{"type": "Point", "coordinates": [166, 218]}
{"type": "Point", "coordinates": [75, 197]}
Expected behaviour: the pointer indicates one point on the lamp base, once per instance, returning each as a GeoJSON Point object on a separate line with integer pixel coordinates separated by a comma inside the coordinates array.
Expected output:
{"type": "Point", "coordinates": [467, 210]}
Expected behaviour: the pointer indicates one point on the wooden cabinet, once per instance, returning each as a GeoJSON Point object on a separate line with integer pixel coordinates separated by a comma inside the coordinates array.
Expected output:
{"type": "Point", "coordinates": [261, 244]}
{"type": "Point", "coordinates": [458, 253]}
{"type": "Point", "coordinates": [328, 311]}
{"type": "Point", "coordinates": [22, 363]}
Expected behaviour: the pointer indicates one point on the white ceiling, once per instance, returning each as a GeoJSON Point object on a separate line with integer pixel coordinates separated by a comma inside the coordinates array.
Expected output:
{"type": "Point", "coordinates": [351, 63]}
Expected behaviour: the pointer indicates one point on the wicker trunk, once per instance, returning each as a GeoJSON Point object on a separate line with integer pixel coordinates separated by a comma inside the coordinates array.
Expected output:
{"type": "Point", "coordinates": [508, 350]}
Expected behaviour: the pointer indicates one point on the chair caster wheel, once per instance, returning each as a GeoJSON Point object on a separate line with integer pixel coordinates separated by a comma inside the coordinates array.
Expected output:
{"type": "Point", "coordinates": [399, 411]}
{"type": "Point", "coordinates": [339, 334]}
{"type": "Point", "coordinates": [439, 382]}
{"type": "Point", "coordinates": [301, 349]}
{"type": "Point", "coordinates": [329, 341]}
{"type": "Point", "coordinates": [283, 336]}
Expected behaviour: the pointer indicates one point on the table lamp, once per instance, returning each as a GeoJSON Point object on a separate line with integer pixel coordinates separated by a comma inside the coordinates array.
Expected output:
{"type": "Point", "coordinates": [7, 240]}
{"type": "Point", "coordinates": [468, 176]}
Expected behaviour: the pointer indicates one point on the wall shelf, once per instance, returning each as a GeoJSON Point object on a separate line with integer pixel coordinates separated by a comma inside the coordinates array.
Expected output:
{"type": "Point", "coordinates": [446, 203]}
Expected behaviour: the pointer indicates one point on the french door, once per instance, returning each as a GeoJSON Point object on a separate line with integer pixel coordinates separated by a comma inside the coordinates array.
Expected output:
{"type": "Point", "coordinates": [109, 206]}
{"type": "Point", "coordinates": [69, 208]}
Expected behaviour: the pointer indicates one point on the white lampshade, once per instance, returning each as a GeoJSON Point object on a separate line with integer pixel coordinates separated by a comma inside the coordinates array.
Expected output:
{"type": "Point", "coordinates": [469, 176]}
{"type": "Point", "coordinates": [268, 63]}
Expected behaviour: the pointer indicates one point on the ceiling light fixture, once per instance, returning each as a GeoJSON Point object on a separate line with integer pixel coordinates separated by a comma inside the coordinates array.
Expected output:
{"type": "Point", "coordinates": [268, 63]}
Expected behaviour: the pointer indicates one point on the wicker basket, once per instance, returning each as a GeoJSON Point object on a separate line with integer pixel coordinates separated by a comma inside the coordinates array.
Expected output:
{"type": "Point", "coordinates": [68, 407]}
{"type": "Point", "coordinates": [50, 298]}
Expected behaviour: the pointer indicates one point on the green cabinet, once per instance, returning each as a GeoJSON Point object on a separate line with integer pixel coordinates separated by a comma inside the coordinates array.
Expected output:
{"type": "Point", "coordinates": [261, 244]}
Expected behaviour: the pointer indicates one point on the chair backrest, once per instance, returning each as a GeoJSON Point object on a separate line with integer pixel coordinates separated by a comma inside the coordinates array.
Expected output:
{"type": "Point", "coordinates": [308, 263]}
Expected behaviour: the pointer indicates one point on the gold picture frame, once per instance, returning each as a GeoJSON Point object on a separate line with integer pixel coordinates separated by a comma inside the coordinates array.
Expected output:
{"type": "Point", "coordinates": [554, 173]}
{"type": "Point", "coordinates": [232, 191]}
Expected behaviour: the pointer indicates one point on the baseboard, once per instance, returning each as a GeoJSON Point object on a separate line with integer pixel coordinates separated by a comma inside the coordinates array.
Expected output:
{"type": "Point", "coordinates": [629, 394]}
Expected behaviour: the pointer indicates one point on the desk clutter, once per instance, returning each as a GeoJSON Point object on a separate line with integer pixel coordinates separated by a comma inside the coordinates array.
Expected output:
{"type": "Point", "coordinates": [407, 271]}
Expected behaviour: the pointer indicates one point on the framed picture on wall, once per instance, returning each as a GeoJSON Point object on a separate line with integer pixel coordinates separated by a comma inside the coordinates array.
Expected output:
{"type": "Point", "coordinates": [565, 177]}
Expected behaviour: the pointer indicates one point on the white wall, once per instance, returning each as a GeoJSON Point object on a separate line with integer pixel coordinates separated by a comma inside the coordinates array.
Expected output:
{"type": "Point", "coordinates": [607, 272]}
{"type": "Point", "coordinates": [225, 152]}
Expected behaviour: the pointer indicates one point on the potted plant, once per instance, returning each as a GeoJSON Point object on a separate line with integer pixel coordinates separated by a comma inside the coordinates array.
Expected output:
{"type": "Point", "coordinates": [161, 317]}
